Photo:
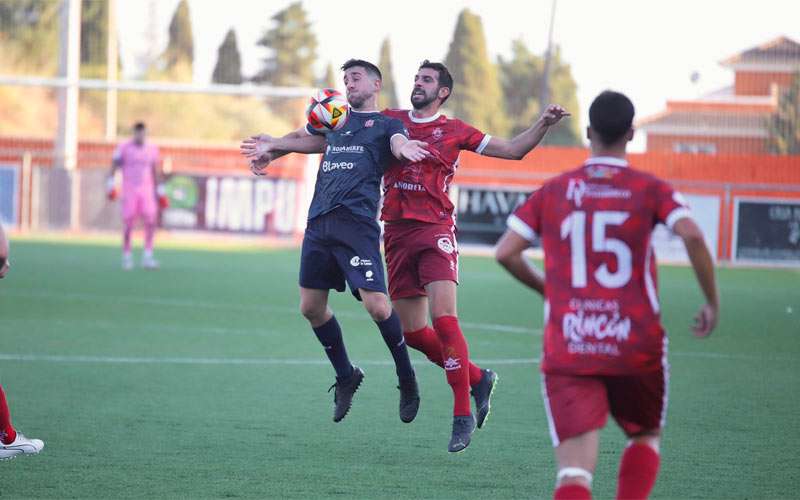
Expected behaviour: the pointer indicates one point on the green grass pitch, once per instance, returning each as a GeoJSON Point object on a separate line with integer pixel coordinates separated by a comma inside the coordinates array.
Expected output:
{"type": "Point", "coordinates": [202, 380]}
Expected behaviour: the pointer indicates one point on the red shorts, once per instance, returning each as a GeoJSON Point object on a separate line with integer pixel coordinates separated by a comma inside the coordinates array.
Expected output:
{"type": "Point", "coordinates": [579, 404]}
{"type": "Point", "coordinates": [418, 253]}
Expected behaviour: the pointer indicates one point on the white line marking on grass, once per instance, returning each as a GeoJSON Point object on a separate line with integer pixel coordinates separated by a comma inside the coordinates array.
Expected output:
{"type": "Point", "coordinates": [138, 328]}
{"type": "Point", "coordinates": [171, 360]}
{"type": "Point", "coordinates": [202, 304]}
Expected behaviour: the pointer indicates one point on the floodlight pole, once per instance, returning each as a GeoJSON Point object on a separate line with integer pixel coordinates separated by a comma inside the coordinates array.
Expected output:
{"type": "Point", "coordinates": [544, 93]}
{"type": "Point", "coordinates": [66, 143]}
{"type": "Point", "coordinates": [68, 68]}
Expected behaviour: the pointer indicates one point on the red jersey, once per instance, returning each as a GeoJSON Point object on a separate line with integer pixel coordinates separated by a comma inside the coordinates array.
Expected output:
{"type": "Point", "coordinates": [419, 191]}
{"type": "Point", "coordinates": [601, 302]}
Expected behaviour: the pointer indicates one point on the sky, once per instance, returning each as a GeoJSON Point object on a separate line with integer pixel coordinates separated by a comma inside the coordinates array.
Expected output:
{"type": "Point", "coordinates": [647, 49]}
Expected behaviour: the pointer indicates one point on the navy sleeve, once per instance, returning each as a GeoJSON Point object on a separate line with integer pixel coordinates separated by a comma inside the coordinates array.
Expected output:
{"type": "Point", "coordinates": [311, 131]}
{"type": "Point", "coordinates": [395, 126]}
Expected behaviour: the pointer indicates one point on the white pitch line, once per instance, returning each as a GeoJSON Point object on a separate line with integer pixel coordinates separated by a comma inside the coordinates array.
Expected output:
{"type": "Point", "coordinates": [152, 328]}
{"type": "Point", "coordinates": [172, 360]}
{"type": "Point", "coordinates": [201, 304]}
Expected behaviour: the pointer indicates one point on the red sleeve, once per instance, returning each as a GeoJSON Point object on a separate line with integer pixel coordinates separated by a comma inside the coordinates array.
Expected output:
{"type": "Point", "coordinates": [670, 204]}
{"type": "Point", "coordinates": [472, 139]}
{"type": "Point", "coordinates": [526, 220]}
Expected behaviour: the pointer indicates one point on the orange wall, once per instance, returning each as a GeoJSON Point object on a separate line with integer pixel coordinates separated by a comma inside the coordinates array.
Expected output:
{"type": "Point", "coordinates": [756, 83]}
{"type": "Point", "coordinates": [546, 162]}
{"type": "Point", "coordinates": [720, 107]}
{"type": "Point", "coordinates": [725, 145]}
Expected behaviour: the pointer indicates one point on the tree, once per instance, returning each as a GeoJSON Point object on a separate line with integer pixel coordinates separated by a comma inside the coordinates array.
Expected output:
{"type": "Point", "coordinates": [229, 62]}
{"type": "Point", "coordinates": [563, 91]}
{"type": "Point", "coordinates": [179, 54]}
{"type": "Point", "coordinates": [329, 79]}
{"type": "Point", "coordinates": [521, 78]}
{"type": "Point", "coordinates": [293, 49]}
{"type": "Point", "coordinates": [388, 96]}
{"type": "Point", "coordinates": [784, 126]}
{"type": "Point", "coordinates": [29, 36]}
{"type": "Point", "coordinates": [477, 97]}
{"type": "Point", "coordinates": [94, 38]}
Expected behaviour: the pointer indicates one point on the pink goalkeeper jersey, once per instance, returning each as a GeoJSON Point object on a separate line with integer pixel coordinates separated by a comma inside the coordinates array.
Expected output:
{"type": "Point", "coordinates": [137, 166]}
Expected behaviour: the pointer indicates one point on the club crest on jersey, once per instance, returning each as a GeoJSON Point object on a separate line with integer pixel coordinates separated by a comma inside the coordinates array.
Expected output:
{"type": "Point", "coordinates": [369, 123]}
{"type": "Point", "coordinates": [437, 133]}
{"type": "Point", "coordinates": [445, 245]}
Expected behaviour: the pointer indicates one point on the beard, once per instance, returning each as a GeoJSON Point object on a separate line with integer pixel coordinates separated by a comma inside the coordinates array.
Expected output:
{"type": "Point", "coordinates": [422, 100]}
{"type": "Point", "coordinates": [357, 100]}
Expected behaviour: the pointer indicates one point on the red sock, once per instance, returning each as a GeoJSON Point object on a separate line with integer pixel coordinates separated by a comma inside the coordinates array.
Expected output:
{"type": "Point", "coordinates": [456, 361]}
{"type": "Point", "coordinates": [572, 491]}
{"type": "Point", "coordinates": [637, 472]}
{"type": "Point", "coordinates": [427, 342]}
{"type": "Point", "coordinates": [7, 432]}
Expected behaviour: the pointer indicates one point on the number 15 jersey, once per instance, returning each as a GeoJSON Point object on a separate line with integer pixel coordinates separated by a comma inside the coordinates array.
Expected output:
{"type": "Point", "coordinates": [601, 300]}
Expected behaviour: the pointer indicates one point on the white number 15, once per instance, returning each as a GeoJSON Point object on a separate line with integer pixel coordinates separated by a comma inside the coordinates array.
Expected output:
{"type": "Point", "coordinates": [574, 227]}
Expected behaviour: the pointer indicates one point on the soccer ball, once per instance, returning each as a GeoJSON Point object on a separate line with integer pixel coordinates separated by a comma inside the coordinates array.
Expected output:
{"type": "Point", "coordinates": [327, 110]}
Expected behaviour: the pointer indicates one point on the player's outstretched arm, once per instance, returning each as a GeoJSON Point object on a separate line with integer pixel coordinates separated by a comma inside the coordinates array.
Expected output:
{"type": "Point", "coordinates": [703, 264]}
{"type": "Point", "coordinates": [509, 254]}
{"type": "Point", "coordinates": [404, 148]}
{"type": "Point", "coordinates": [519, 146]}
{"type": "Point", "coordinates": [263, 149]}
{"type": "Point", "coordinates": [3, 253]}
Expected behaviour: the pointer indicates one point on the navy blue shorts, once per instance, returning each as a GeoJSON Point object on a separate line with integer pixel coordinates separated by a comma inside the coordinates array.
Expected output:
{"type": "Point", "coordinates": [340, 247]}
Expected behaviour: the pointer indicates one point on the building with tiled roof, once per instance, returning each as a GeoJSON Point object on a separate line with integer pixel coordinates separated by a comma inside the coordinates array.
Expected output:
{"type": "Point", "coordinates": [731, 120]}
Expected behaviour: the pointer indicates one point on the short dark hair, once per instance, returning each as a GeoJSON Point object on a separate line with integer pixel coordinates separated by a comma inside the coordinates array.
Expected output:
{"type": "Point", "coordinates": [139, 126]}
{"type": "Point", "coordinates": [611, 116]}
{"type": "Point", "coordinates": [371, 68]}
{"type": "Point", "coordinates": [445, 78]}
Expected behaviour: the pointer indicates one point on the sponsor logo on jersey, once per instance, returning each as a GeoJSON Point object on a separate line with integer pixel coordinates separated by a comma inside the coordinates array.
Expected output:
{"type": "Point", "coordinates": [408, 186]}
{"type": "Point", "coordinates": [445, 245]}
{"type": "Point", "coordinates": [578, 189]}
{"type": "Point", "coordinates": [347, 133]}
{"type": "Point", "coordinates": [330, 166]}
{"type": "Point", "coordinates": [344, 149]}
{"type": "Point", "coordinates": [579, 327]}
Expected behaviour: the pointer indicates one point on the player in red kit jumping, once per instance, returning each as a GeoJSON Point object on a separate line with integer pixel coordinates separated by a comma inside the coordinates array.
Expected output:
{"type": "Point", "coordinates": [420, 237]}
{"type": "Point", "coordinates": [605, 350]}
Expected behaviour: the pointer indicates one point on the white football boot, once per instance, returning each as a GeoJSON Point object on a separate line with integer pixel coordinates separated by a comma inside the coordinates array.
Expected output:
{"type": "Point", "coordinates": [20, 446]}
{"type": "Point", "coordinates": [148, 262]}
{"type": "Point", "coordinates": [127, 262]}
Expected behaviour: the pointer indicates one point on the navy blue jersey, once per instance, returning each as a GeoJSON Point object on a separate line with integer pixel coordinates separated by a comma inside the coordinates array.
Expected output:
{"type": "Point", "coordinates": [353, 164]}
